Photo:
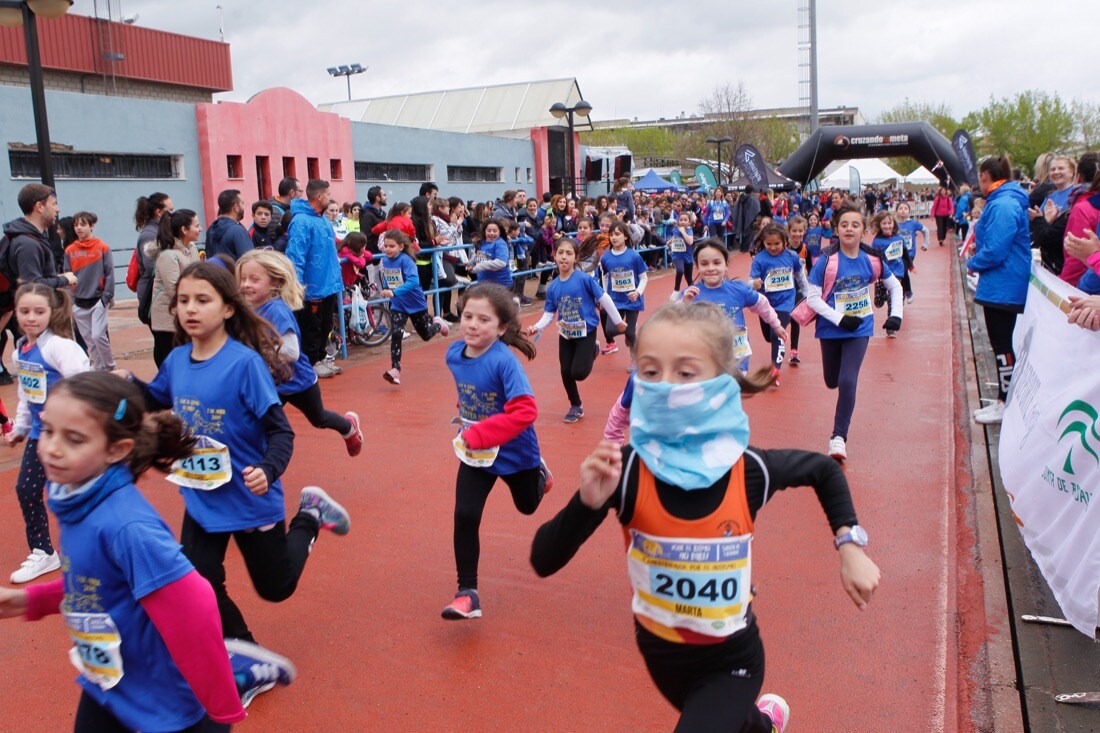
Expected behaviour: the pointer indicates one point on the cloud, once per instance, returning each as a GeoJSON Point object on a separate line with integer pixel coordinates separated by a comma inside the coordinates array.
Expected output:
{"type": "Point", "coordinates": [653, 58]}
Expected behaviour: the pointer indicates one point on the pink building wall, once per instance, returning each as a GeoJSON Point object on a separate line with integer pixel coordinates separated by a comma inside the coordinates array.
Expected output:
{"type": "Point", "coordinates": [276, 123]}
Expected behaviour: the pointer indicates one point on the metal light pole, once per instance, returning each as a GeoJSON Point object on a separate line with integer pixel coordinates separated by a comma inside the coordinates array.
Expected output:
{"type": "Point", "coordinates": [717, 142]}
{"type": "Point", "coordinates": [347, 72]}
{"type": "Point", "coordinates": [559, 110]}
{"type": "Point", "coordinates": [12, 13]}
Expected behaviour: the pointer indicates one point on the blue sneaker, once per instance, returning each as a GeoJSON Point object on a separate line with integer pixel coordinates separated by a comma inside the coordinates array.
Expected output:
{"type": "Point", "coordinates": [256, 669]}
{"type": "Point", "coordinates": [576, 412]}
{"type": "Point", "coordinates": [331, 515]}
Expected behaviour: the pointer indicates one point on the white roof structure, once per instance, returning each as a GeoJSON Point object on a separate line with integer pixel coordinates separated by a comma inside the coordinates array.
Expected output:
{"type": "Point", "coordinates": [510, 110]}
{"type": "Point", "coordinates": [871, 170]}
{"type": "Point", "coordinates": [922, 177]}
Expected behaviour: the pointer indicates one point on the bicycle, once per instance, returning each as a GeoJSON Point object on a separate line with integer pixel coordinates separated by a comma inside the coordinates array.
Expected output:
{"type": "Point", "coordinates": [378, 319]}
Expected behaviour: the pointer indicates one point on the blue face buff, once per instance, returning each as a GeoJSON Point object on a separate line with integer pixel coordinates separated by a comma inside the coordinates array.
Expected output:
{"type": "Point", "coordinates": [689, 435]}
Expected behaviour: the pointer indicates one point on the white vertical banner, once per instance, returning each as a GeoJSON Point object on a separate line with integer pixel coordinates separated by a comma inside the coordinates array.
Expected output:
{"type": "Point", "coordinates": [1050, 447]}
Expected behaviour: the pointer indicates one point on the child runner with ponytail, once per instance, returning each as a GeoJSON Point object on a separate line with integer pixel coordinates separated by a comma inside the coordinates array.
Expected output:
{"type": "Point", "coordinates": [231, 487]}
{"type": "Point", "coordinates": [626, 278]}
{"type": "Point", "coordinates": [891, 247]}
{"type": "Point", "coordinates": [401, 284]}
{"type": "Point", "coordinates": [777, 270]}
{"type": "Point", "coordinates": [575, 298]}
{"type": "Point", "coordinates": [148, 641]}
{"type": "Point", "coordinates": [840, 294]}
{"type": "Point", "coordinates": [687, 490]}
{"type": "Point", "coordinates": [44, 356]}
{"type": "Point", "coordinates": [497, 439]}
{"type": "Point", "coordinates": [910, 229]}
{"type": "Point", "coordinates": [270, 284]}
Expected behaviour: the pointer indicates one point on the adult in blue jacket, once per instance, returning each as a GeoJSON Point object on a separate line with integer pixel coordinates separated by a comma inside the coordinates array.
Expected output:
{"type": "Point", "coordinates": [311, 246]}
{"type": "Point", "coordinates": [226, 234]}
{"type": "Point", "coordinates": [1003, 262]}
{"type": "Point", "coordinates": [962, 211]}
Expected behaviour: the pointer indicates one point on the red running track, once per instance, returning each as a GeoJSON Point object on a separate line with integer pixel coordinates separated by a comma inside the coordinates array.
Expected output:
{"type": "Point", "coordinates": [558, 654]}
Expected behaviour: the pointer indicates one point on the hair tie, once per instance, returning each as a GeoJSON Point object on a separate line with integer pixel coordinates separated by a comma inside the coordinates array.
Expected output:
{"type": "Point", "coordinates": [120, 412]}
{"type": "Point", "coordinates": [219, 262]}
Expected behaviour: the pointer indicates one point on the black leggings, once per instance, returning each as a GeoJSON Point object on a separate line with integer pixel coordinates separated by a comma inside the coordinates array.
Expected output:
{"type": "Point", "coordinates": [841, 360]}
{"type": "Point", "coordinates": [309, 402]}
{"type": "Point", "coordinates": [421, 321]}
{"type": "Point", "coordinates": [906, 284]}
{"type": "Point", "coordinates": [683, 271]}
{"type": "Point", "coordinates": [162, 346]}
{"type": "Point", "coordinates": [575, 356]}
{"type": "Point", "coordinates": [610, 331]}
{"type": "Point", "coordinates": [29, 488]}
{"type": "Point", "coordinates": [275, 559]}
{"type": "Point", "coordinates": [944, 224]}
{"type": "Point", "coordinates": [315, 321]}
{"type": "Point", "coordinates": [714, 686]}
{"type": "Point", "coordinates": [1000, 324]}
{"type": "Point", "coordinates": [92, 718]}
{"type": "Point", "coordinates": [778, 347]}
{"type": "Point", "coordinates": [472, 489]}
{"type": "Point", "coordinates": [447, 279]}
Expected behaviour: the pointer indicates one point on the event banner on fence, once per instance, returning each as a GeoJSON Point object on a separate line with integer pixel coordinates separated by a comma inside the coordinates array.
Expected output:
{"type": "Point", "coordinates": [1050, 447]}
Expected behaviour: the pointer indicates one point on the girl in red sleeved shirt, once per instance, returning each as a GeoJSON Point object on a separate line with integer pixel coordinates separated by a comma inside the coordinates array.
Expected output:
{"type": "Point", "coordinates": [354, 257]}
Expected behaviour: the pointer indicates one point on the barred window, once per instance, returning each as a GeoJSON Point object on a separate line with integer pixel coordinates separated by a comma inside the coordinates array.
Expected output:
{"type": "Point", "coordinates": [474, 174]}
{"type": "Point", "coordinates": [24, 164]}
{"type": "Point", "coordinates": [371, 171]}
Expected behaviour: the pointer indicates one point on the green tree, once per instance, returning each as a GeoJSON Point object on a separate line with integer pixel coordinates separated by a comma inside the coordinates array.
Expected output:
{"type": "Point", "coordinates": [938, 114]}
{"type": "Point", "coordinates": [1086, 123]}
{"type": "Point", "coordinates": [1023, 126]}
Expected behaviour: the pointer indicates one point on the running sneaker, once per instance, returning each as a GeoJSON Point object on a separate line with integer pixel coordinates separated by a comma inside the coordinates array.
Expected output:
{"type": "Point", "coordinates": [611, 348]}
{"type": "Point", "coordinates": [991, 414]}
{"type": "Point", "coordinates": [256, 669]}
{"type": "Point", "coordinates": [333, 366]}
{"type": "Point", "coordinates": [576, 412]}
{"type": "Point", "coordinates": [37, 563]}
{"type": "Point", "coordinates": [777, 709]}
{"type": "Point", "coordinates": [393, 376]}
{"type": "Point", "coordinates": [465, 605]}
{"type": "Point", "coordinates": [837, 449]}
{"type": "Point", "coordinates": [354, 439]}
{"type": "Point", "coordinates": [547, 477]}
{"type": "Point", "coordinates": [524, 300]}
{"type": "Point", "coordinates": [674, 297]}
{"type": "Point", "coordinates": [891, 334]}
{"type": "Point", "coordinates": [332, 516]}
{"type": "Point", "coordinates": [324, 371]}
{"type": "Point", "coordinates": [794, 360]}
{"type": "Point", "coordinates": [775, 376]}
{"type": "Point", "coordinates": [406, 334]}
{"type": "Point", "coordinates": [444, 327]}
{"type": "Point", "coordinates": [909, 299]}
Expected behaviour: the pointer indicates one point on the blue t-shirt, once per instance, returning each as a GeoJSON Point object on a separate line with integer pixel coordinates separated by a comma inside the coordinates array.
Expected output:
{"type": "Point", "coordinates": [224, 398]}
{"type": "Point", "coordinates": [778, 275]}
{"type": "Point", "coordinates": [495, 249]}
{"type": "Point", "coordinates": [574, 300]}
{"type": "Point", "coordinates": [678, 249]}
{"type": "Point", "coordinates": [622, 273]}
{"type": "Point", "coordinates": [892, 249]}
{"type": "Point", "coordinates": [1089, 283]}
{"type": "Point", "coordinates": [485, 385]}
{"type": "Point", "coordinates": [399, 275]}
{"type": "Point", "coordinates": [37, 378]}
{"type": "Point", "coordinates": [731, 295]}
{"type": "Point", "coordinates": [1060, 198]}
{"type": "Point", "coordinates": [279, 315]}
{"type": "Point", "coordinates": [908, 231]}
{"type": "Point", "coordinates": [854, 288]}
{"type": "Point", "coordinates": [812, 240]}
{"type": "Point", "coordinates": [117, 554]}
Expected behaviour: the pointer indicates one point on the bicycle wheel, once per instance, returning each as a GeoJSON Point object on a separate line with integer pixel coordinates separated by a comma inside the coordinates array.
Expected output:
{"type": "Point", "coordinates": [378, 317]}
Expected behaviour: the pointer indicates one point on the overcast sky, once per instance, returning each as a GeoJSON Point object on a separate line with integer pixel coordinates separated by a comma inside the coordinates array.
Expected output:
{"type": "Point", "coordinates": [649, 58]}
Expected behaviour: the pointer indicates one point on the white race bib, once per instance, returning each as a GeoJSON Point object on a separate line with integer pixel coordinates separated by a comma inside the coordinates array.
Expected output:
{"type": "Point", "coordinates": [622, 281]}
{"type": "Point", "coordinates": [96, 653]}
{"type": "Point", "coordinates": [205, 469]}
{"type": "Point", "coordinates": [572, 329]}
{"type": "Point", "coordinates": [703, 585]}
{"type": "Point", "coordinates": [741, 349]}
{"type": "Point", "coordinates": [893, 251]}
{"type": "Point", "coordinates": [32, 378]}
{"type": "Point", "coordinates": [677, 245]}
{"type": "Point", "coordinates": [853, 302]}
{"type": "Point", "coordinates": [476, 458]}
{"type": "Point", "coordinates": [393, 279]}
{"type": "Point", "coordinates": [779, 279]}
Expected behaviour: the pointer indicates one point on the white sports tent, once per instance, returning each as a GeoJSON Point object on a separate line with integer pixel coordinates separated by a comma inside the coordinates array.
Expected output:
{"type": "Point", "coordinates": [922, 177]}
{"type": "Point", "coordinates": [871, 170]}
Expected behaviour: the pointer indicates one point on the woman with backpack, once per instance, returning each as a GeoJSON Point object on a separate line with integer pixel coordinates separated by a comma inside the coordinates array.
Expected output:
{"type": "Point", "coordinates": [172, 251]}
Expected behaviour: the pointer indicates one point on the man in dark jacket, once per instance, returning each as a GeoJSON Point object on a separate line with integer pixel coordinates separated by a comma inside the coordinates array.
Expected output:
{"type": "Point", "coordinates": [29, 257]}
{"type": "Point", "coordinates": [372, 215]}
{"type": "Point", "coordinates": [289, 189]}
{"type": "Point", "coordinates": [744, 214]}
{"type": "Point", "coordinates": [226, 234]}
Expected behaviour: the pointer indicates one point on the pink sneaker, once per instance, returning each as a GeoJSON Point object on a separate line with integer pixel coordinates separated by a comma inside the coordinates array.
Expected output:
{"type": "Point", "coordinates": [354, 440]}
{"type": "Point", "coordinates": [393, 376]}
{"type": "Point", "coordinates": [777, 709]}
{"type": "Point", "coordinates": [444, 327]}
{"type": "Point", "coordinates": [465, 605]}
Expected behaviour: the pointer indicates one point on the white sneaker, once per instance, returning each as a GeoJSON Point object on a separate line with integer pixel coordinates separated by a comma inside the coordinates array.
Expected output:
{"type": "Point", "coordinates": [909, 299]}
{"type": "Point", "coordinates": [333, 366]}
{"type": "Point", "coordinates": [674, 297]}
{"type": "Point", "coordinates": [324, 371]}
{"type": "Point", "coordinates": [837, 449]}
{"type": "Point", "coordinates": [37, 563]}
{"type": "Point", "coordinates": [991, 414]}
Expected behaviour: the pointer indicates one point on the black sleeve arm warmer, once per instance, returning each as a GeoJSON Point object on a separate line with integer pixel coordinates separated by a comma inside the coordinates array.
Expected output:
{"type": "Point", "coordinates": [782, 469]}
{"type": "Point", "coordinates": [558, 540]}
{"type": "Point", "coordinates": [280, 443]}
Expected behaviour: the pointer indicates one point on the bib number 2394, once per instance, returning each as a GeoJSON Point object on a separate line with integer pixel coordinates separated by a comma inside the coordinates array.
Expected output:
{"type": "Point", "coordinates": [205, 469]}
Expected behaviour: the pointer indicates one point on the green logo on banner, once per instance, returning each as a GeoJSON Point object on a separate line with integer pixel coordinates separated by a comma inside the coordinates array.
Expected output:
{"type": "Point", "coordinates": [1084, 429]}
{"type": "Point", "coordinates": [705, 177]}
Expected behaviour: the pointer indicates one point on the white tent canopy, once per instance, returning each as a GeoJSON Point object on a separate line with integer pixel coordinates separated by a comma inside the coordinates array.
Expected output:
{"type": "Point", "coordinates": [922, 177]}
{"type": "Point", "coordinates": [871, 170]}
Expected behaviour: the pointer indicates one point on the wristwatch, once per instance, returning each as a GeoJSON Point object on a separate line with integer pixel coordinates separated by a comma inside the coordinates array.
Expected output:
{"type": "Point", "coordinates": [856, 535]}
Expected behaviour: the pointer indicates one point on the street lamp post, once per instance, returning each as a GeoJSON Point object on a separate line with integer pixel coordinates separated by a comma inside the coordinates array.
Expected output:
{"type": "Point", "coordinates": [559, 110]}
{"type": "Point", "coordinates": [25, 12]}
{"type": "Point", "coordinates": [347, 72]}
{"type": "Point", "coordinates": [718, 144]}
